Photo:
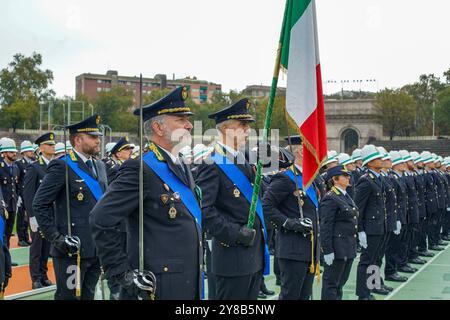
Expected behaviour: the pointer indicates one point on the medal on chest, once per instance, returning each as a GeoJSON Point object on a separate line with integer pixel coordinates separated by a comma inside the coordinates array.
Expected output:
{"type": "Point", "coordinates": [236, 193]}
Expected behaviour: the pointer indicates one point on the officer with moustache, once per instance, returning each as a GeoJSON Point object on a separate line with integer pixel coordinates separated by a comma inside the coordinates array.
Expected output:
{"type": "Point", "coordinates": [68, 192]}
{"type": "Point", "coordinates": [172, 244]}
{"type": "Point", "coordinates": [40, 247]}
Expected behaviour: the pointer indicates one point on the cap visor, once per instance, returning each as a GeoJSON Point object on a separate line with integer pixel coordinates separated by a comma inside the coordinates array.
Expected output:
{"type": "Point", "coordinates": [94, 133]}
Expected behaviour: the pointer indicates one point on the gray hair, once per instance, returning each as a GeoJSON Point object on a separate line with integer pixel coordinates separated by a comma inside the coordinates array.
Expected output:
{"type": "Point", "coordinates": [219, 126]}
{"type": "Point", "coordinates": [148, 129]}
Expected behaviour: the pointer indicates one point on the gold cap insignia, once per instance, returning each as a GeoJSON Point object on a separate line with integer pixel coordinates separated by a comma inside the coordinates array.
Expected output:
{"type": "Point", "coordinates": [52, 136]}
{"type": "Point", "coordinates": [97, 121]}
{"type": "Point", "coordinates": [248, 104]}
{"type": "Point", "coordinates": [126, 139]}
{"type": "Point", "coordinates": [184, 93]}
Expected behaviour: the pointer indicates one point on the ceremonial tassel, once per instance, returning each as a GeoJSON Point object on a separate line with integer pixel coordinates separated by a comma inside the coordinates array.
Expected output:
{"type": "Point", "coordinates": [78, 276]}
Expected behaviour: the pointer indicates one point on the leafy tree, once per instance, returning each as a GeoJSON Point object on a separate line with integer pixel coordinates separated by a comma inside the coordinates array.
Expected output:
{"type": "Point", "coordinates": [447, 76]}
{"type": "Point", "coordinates": [424, 93]}
{"type": "Point", "coordinates": [443, 111]}
{"type": "Point", "coordinates": [23, 85]}
{"type": "Point", "coordinates": [395, 110]}
{"type": "Point", "coordinates": [114, 108]}
{"type": "Point", "coordinates": [20, 112]}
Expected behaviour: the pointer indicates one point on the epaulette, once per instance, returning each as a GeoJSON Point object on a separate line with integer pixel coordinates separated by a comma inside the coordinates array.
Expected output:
{"type": "Point", "coordinates": [336, 191]}
{"type": "Point", "coordinates": [73, 157]}
{"type": "Point", "coordinates": [371, 175]}
{"type": "Point", "coordinates": [155, 150]}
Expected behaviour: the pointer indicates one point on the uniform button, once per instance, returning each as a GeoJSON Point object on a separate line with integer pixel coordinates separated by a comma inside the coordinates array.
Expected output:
{"type": "Point", "coordinates": [354, 218]}
{"type": "Point", "coordinates": [355, 235]}
{"type": "Point", "coordinates": [166, 269]}
{"type": "Point", "coordinates": [356, 227]}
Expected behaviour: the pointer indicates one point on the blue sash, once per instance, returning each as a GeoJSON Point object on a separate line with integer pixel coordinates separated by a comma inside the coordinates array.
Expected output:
{"type": "Point", "coordinates": [242, 183]}
{"type": "Point", "coordinates": [92, 184]}
{"type": "Point", "coordinates": [187, 197]}
{"type": "Point", "coordinates": [311, 193]}
{"type": "Point", "coordinates": [2, 230]}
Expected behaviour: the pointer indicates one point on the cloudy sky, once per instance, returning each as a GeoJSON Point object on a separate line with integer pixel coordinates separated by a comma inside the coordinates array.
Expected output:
{"type": "Point", "coordinates": [231, 42]}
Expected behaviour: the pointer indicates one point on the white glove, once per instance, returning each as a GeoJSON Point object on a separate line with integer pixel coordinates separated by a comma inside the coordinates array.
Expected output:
{"type": "Point", "coordinates": [399, 227]}
{"type": "Point", "coordinates": [362, 239]}
{"type": "Point", "coordinates": [33, 224]}
{"type": "Point", "coordinates": [329, 258]}
{"type": "Point", "coordinates": [19, 202]}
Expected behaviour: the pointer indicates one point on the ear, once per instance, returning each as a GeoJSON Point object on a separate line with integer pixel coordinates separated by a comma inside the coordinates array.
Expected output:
{"type": "Point", "coordinates": [157, 128]}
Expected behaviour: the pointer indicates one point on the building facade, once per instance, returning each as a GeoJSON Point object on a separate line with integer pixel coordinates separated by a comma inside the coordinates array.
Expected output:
{"type": "Point", "coordinates": [91, 85]}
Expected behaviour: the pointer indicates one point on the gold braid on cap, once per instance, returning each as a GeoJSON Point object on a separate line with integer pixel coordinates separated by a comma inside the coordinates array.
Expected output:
{"type": "Point", "coordinates": [240, 116]}
{"type": "Point", "coordinates": [172, 110]}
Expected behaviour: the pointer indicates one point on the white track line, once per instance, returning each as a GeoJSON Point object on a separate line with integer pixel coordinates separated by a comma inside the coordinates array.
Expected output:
{"type": "Point", "coordinates": [396, 290]}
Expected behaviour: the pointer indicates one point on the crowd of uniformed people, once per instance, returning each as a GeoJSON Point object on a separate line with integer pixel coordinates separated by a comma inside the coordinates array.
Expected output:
{"type": "Point", "coordinates": [390, 208]}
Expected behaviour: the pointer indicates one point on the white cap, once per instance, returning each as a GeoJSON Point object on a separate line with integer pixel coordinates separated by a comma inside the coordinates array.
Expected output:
{"type": "Point", "coordinates": [186, 151]}
{"type": "Point", "coordinates": [59, 148]}
{"type": "Point", "coordinates": [35, 147]}
{"type": "Point", "coordinates": [68, 146]}
{"type": "Point", "coordinates": [109, 146]}
{"type": "Point", "coordinates": [406, 156]}
{"type": "Point", "coordinates": [440, 159]}
{"type": "Point", "coordinates": [396, 157]}
{"type": "Point", "coordinates": [385, 154]}
{"type": "Point", "coordinates": [447, 162]}
{"type": "Point", "coordinates": [26, 146]}
{"type": "Point", "coordinates": [370, 152]}
{"type": "Point", "coordinates": [8, 145]}
{"type": "Point", "coordinates": [356, 155]}
{"type": "Point", "coordinates": [344, 159]}
{"type": "Point", "coordinates": [331, 157]}
{"type": "Point", "coordinates": [426, 157]}
{"type": "Point", "coordinates": [415, 156]}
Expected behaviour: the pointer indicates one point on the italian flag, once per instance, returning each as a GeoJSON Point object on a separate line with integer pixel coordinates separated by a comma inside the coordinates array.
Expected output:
{"type": "Point", "coordinates": [304, 96]}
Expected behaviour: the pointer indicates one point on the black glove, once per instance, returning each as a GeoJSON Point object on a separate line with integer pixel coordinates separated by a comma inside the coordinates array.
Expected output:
{"type": "Point", "coordinates": [65, 244]}
{"type": "Point", "coordinates": [265, 154]}
{"type": "Point", "coordinates": [134, 283]}
{"type": "Point", "coordinates": [58, 241]}
{"type": "Point", "coordinates": [297, 225]}
{"type": "Point", "coordinates": [246, 236]}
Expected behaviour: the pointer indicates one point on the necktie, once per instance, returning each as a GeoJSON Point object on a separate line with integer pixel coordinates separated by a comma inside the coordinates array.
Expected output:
{"type": "Point", "coordinates": [90, 165]}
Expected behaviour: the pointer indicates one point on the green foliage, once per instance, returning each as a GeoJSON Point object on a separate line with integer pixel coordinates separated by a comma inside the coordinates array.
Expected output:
{"type": "Point", "coordinates": [443, 112]}
{"type": "Point", "coordinates": [424, 92]}
{"type": "Point", "coordinates": [396, 111]}
{"type": "Point", "coordinates": [23, 84]}
{"type": "Point", "coordinates": [114, 108]}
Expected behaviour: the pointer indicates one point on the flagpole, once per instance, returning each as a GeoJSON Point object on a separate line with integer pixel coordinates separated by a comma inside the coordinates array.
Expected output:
{"type": "Point", "coordinates": [268, 119]}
